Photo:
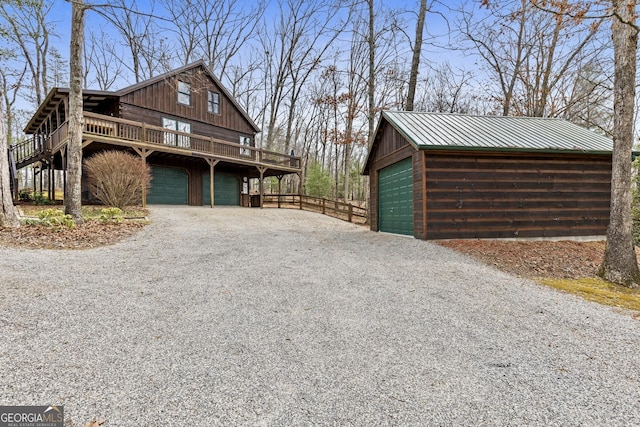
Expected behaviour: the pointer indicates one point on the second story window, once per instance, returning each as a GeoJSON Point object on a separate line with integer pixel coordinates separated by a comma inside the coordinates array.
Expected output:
{"type": "Point", "coordinates": [214, 102]}
{"type": "Point", "coordinates": [184, 93]}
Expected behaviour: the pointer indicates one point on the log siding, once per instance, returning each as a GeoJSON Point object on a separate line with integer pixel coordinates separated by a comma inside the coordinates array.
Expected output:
{"type": "Point", "coordinates": [472, 195]}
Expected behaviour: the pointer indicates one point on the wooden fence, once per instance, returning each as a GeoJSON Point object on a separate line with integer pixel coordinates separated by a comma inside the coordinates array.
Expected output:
{"type": "Point", "coordinates": [334, 208]}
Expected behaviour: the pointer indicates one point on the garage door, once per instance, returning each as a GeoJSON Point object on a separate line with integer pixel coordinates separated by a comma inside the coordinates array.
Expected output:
{"type": "Point", "coordinates": [395, 198]}
{"type": "Point", "coordinates": [227, 190]}
{"type": "Point", "coordinates": [169, 186]}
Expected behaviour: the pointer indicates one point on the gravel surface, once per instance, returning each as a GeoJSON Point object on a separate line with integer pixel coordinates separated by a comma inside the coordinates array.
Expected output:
{"type": "Point", "coordinates": [232, 316]}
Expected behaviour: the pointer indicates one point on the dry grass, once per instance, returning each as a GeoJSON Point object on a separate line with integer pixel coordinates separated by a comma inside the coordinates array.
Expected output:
{"type": "Point", "coordinates": [597, 290]}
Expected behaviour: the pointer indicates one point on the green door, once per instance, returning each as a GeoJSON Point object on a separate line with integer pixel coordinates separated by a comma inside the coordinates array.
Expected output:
{"type": "Point", "coordinates": [395, 198]}
{"type": "Point", "coordinates": [169, 186]}
{"type": "Point", "coordinates": [226, 190]}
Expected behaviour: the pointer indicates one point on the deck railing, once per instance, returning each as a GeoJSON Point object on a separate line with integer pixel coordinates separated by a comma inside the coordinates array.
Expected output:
{"type": "Point", "coordinates": [137, 132]}
{"type": "Point", "coordinates": [111, 127]}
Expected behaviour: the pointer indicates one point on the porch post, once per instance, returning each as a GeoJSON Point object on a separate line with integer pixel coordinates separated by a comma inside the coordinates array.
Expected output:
{"type": "Point", "coordinates": [261, 169]}
{"type": "Point", "coordinates": [279, 188]}
{"type": "Point", "coordinates": [144, 153]}
{"type": "Point", "coordinates": [52, 181]}
{"type": "Point", "coordinates": [300, 187]}
{"type": "Point", "coordinates": [212, 166]}
{"type": "Point", "coordinates": [63, 153]}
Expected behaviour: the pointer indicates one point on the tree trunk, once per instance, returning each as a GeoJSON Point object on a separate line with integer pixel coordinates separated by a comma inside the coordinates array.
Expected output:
{"type": "Point", "coordinates": [73, 190]}
{"type": "Point", "coordinates": [8, 214]}
{"type": "Point", "coordinates": [415, 61]}
{"type": "Point", "coordinates": [371, 87]}
{"type": "Point", "coordinates": [620, 264]}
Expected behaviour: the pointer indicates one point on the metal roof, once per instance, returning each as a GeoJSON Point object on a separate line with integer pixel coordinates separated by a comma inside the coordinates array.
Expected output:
{"type": "Point", "coordinates": [457, 131]}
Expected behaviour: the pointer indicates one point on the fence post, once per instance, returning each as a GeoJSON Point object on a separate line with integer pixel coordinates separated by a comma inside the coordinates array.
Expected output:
{"type": "Point", "coordinates": [350, 214]}
{"type": "Point", "coordinates": [300, 201]}
{"type": "Point", "coordinates": [143, 133]}
{"type": "Point", "coordinates": [323, 205]}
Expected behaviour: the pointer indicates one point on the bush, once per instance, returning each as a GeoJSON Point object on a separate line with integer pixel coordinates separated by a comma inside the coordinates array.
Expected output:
{"type": "Point", "coordinates": [114, 215]}
{"type": "Point", "coordinates": [25, 195]}
{"type": "Point", "coordinates": [53, 218]}
{"type": "Point", "coordinates": [40, 199]}
{"type": "Point", "coordinates": [117, 178]}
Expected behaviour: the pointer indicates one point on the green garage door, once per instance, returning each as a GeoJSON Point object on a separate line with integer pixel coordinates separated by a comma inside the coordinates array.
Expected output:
{"type": "Point", "coordinates": [395, 198]}
{"type": "Point", "coordinates": [169, 186]}
{"type": "Point", "coordinates": [226, 187]}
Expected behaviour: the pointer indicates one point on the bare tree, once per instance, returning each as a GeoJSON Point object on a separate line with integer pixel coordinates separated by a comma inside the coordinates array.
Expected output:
{"type": "Point", "coordinates": [620, 264]}
{"type": "Point", "coordinates": [417, 52]}
{"type": "Point", "coordinates": [73, 189]}
{"type": "Point", "coordinates": [26, 24]}
{"type": "Point", "coordinates": [103, 60]}
{"type": "Point", "coordinates": [447, 90]}
{"type": "Point", "coordinates": [8, 213]}
{"type": "Point", "coordinates": [294, 48]}
{"type": "Point", "coordinates": [529, 52]}
{"type": "Point", "coordinates": [140, 35]}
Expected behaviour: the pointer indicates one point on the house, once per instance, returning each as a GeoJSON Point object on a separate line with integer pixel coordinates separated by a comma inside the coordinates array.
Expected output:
{"type": "Point", "coordinates": [449, 176]}
{"type": "Point", "coordinates": [197, 139]}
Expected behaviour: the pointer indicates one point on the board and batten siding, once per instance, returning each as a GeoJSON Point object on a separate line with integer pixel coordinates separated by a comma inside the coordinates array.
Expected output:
{"type": "Point", "coordinates": [392, 148]}
{"type": "Point", "coordinates": [498, 195]}
{"type": "Point", "coordinates": [161, 98]}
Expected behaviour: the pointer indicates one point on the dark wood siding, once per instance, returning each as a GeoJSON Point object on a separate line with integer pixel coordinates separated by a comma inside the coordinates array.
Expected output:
{"type": "Point", "coordinates": [474, 195]}
{"type": "Point", "coordinates": [162, 96]}
{"type": "Point", "coordinates": [390, 149]}
{"type": "Point", "coordinates": [152, 117]}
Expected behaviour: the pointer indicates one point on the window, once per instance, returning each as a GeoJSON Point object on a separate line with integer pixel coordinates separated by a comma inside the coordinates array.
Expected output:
{"type": "Point", "coordinates": [171, 138]}
{"type": "Point", "coordinates": [184, 93]}
{"type": "Point", "coordinates": [246, 141]}
{"type": "Point", "coordinates": [214, 102]}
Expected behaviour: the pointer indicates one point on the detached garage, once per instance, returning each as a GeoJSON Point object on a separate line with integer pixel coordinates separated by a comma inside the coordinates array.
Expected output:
{"type": "Point", "coordinates": [448, 176]}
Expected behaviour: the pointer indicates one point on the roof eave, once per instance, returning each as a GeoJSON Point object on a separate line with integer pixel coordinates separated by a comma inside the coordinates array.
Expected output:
{"type": "Point", "coordinates": [511, 149]}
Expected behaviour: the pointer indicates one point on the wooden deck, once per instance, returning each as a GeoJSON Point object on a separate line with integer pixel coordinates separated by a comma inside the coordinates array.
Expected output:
{"type": "Point", "coordinates": [141, 136]}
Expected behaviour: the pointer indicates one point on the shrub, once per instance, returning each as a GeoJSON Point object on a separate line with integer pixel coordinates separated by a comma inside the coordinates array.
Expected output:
{"type": "Point", "coordinates": [25, 195]}
{"type": "Point", "coordinates": [40, 199]}
{"type": "Point", "coordinates": [117, 178]}
{"type": "Point", "coordinates": [53, 218]}
{"type": "Point", "coordinates": [114, 215]}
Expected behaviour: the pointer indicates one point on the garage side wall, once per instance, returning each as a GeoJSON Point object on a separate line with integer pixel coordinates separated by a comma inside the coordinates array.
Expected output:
{"type": "Point", "coordinates": [391, 149]}
{"type": "Point", "coordinates": [493, 195]}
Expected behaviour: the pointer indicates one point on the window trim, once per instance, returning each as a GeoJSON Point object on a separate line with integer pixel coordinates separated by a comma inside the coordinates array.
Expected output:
{"type": "Point", "coordinates": [245, 141]}
{"type": "Point", "coordinates": [184, 90]}
{"type": "Point", "coordinates": [175, 139]}
{"type": "Point", "coordinates": [211, 104]}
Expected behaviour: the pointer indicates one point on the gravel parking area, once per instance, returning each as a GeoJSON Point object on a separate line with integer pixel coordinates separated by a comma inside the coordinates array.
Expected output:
{"type": "Point", "coordinates": [232, 316]}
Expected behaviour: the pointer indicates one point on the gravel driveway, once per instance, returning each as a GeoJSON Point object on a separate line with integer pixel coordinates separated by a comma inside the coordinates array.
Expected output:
{"type": "Point", "coordinates": [232, 316]}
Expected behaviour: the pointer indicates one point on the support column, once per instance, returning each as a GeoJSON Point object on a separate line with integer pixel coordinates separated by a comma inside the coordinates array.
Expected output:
{"type": "Point", "coordinates": [300, 187]}
{"type": "Point", "coordinates": [63, 153]}
{"type": "Point", "coordinates": [279, 188]}
{"type": "Point", "coordinates": [212, 165]}
{"type": "Point", "coordinates": [52, 181]}
{"type": "Point", "coordinates": [262, 170]}
{"type": "Point", "coordinates": [144, 153]}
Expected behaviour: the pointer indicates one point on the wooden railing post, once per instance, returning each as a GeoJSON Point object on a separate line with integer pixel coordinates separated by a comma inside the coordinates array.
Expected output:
{"type": "Point", "coordinates": [143, 133]}
{"type": "Point", "coordinates": [350, 212]}
{"type": "Point", "coordinates": [323, 206]}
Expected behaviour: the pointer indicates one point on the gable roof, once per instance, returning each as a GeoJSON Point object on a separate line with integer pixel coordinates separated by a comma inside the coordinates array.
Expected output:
{"type": "Point", "coordinates": [445, 131]}
{"type": "Point", "coordinates": [198, 64]}
{"type": "Point", "coordinates": [89, 96]}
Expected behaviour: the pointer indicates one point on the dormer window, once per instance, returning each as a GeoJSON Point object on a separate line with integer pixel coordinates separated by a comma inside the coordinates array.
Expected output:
{"type": "Point", "coordinates": [184, 93]}
{"type": "Point", "coordinates": [214, 103]}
